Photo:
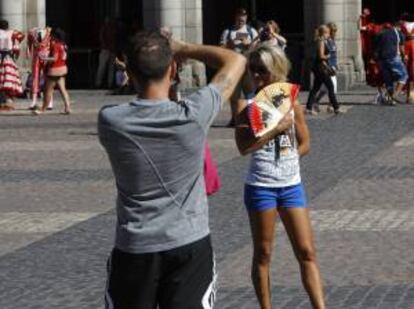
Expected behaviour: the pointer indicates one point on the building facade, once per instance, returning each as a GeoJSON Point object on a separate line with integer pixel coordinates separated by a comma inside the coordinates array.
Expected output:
{"type": "Point", "coordinates": [202, 22]}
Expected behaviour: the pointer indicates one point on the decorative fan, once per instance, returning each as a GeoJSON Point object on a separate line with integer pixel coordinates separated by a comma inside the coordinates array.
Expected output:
{"type": "Point", "coordinates": [270, 105]}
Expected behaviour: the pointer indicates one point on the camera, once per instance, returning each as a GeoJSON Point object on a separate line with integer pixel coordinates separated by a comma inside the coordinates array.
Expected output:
{"type": "Point", "coordinates": [266, 34]}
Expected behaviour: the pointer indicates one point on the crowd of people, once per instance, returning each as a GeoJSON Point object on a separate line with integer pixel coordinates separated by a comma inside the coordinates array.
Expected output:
{"type": "Point", "coordinates": [242, 38]}
{"type": "Point", "coordinates": [388, 54]}
{"type": "Point", "coordinates": [47, 50]}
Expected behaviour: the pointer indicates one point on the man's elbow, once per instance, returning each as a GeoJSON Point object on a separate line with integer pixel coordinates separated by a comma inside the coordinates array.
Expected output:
{"type": "Point", "coordinates": [243, 150]}
{"type": "Point", "coordinates": [241, 60]}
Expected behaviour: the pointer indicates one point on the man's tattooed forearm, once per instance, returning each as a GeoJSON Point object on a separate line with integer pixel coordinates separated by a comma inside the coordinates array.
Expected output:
{"type": "Point", "coordinates": [223, 82]}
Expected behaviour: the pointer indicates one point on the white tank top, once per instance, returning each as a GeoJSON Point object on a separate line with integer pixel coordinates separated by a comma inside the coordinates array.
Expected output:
{"type": "Point", "coordinates": [276, 165]}
{"type": "Point", "coordinates": [6, 42]}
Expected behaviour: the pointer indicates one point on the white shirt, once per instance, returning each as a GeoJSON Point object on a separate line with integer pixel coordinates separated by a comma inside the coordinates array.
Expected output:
{"type": "Point", "coordinates": [237, 37]}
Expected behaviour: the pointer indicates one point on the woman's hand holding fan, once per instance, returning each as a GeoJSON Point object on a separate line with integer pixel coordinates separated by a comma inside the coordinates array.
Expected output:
{"type": "Point", "coordinates": [270, 106]}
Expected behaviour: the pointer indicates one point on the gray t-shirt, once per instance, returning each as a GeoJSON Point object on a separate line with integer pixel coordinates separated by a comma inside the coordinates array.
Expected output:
{"type": "Point", "coordinates": [156, 149]}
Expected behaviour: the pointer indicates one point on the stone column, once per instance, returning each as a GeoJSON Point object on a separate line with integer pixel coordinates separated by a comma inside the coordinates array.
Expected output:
{"type": "Point", "coordinates": [185, 19]}
{"type": "Point", "coordinates": [312, 15]}
{"type": "Point", "coordinates": [165, 13]}
{"type": "Point", "coordinates": [345, 14]}
{"type": "Point", "coordinates": [23, 14]}
{"type": "Point", "coordinates": [35, 13]}
{"type": "Point", "coordinates": [13, 12]}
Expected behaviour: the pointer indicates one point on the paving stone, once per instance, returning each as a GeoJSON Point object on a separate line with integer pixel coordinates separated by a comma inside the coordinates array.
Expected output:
{"type": "Point", "coordinates": [57, 219]}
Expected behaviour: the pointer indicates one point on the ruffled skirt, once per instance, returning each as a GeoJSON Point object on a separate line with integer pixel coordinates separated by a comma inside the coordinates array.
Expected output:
{"type": "Point", "coordinates": [10, 81]}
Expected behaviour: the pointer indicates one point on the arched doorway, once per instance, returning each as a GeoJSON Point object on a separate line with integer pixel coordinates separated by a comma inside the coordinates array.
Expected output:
{"type": "Point", "coordinates": [218, 15]}
{"type": "Point", "coordinates": [388, 10]}
{"type": "Point", "coordinates": [82, 20]}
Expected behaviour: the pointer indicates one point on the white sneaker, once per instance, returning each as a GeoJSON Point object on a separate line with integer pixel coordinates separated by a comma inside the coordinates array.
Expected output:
{"type": "Point", "coordinates": [378, 99]}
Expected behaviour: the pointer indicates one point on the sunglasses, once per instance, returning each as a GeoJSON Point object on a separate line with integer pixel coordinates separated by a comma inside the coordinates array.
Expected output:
{"type": "Point", "coordinates": [259, 69]}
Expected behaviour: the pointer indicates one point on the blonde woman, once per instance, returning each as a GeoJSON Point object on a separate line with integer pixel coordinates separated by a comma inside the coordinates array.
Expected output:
{"type": "Point", "coordinates": [333, 63]}
{"type": "Point", "coordinates": [322, 71]}
{"type": "Point", "coordinates": [273, 186]}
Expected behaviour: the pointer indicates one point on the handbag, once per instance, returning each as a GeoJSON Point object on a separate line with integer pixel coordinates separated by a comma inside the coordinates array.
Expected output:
{"type": "Point", "coordinates": [326, 69]}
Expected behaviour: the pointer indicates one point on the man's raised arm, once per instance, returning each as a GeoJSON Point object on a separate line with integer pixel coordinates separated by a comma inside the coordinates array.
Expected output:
{"type": "Point", "coordinates": [230, 65]}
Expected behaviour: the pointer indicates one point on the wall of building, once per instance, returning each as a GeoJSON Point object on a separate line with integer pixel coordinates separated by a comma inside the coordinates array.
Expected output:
{"type": "Point", "coordinates": [388, 10]}
{"type": "Point", "coordinates": [345, 13]}
{"type": "Point", "coordinates": [202, 21]}
{"type": "Point", "coordinates": [23, 14]}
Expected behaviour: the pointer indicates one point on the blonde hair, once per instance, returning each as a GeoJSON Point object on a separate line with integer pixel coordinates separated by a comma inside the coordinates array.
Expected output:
{"type": "Point", "coordinates": [333, 28]}
{"type": "Point", "coordinates": [273, 58]}
{"type": "Point", "coordinates": [274, 25]}
{"type": "Point", "coordinates": [319, 32]}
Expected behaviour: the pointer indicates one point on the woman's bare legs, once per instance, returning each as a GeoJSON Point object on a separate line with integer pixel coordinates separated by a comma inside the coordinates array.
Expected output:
{"type": "Point", "coordinates": [48, 93]}
{"type": "Point", "coordinates": [298, 227]}
{"type": "Point", "coordinates": [65, 95]}
{"type": "Point", "coordinates": [262, 225]}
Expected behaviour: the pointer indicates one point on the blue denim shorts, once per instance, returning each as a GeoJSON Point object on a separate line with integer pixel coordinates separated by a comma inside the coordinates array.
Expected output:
{"type": "Point", "coordinates": [393, 70]}
{"type": "Point", "coordinates": [262, 198]}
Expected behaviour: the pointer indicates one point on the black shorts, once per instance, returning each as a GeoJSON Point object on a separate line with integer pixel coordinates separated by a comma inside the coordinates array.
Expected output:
{"type": "Point", "coordinates": [182, 278]}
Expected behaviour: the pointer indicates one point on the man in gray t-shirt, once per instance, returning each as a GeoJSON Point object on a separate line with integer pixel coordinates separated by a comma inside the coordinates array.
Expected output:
{"type": "Point", "coordinates": [162, 253]}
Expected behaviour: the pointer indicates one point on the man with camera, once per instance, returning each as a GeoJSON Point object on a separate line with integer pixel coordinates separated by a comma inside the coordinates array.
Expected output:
{"type": "Point", "coordinates": [162, 254]}
{"type": "Point", "coordinates": [270, 34]}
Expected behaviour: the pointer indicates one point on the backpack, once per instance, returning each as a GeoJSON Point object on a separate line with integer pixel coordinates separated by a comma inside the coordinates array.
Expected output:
{"type": "Point", "coordinates": [249, 31]}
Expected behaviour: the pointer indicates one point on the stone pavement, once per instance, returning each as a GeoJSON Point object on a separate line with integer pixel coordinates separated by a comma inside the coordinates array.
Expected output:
{"type": "Point", "coordinates": [57, 218]}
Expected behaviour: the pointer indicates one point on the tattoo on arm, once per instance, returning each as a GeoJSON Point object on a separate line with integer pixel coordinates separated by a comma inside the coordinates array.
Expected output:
{"type": "Point", "coordinates": [223, 82]}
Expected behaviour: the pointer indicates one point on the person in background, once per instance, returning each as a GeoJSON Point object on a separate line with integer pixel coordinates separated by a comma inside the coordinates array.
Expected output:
{"type": "Point", "coordinates": [322, 71]}
{"type": "Point", "coordinates": [56, 72]}
{"type": "Point", "coordinates": [273, 185]}
{"type": "Point", "coordinates": [390, 52]}
{"type": "Point", "coordinates": [373, 72]}
{"type": "Point", "coordinates": [241, 35]}
{"type": "Point", "coordinates": [270, 33]}
{"type": "Point", "coordinates": [366, 43]}
{"type": "Point", "coordinates": [106, 67]}
{"type": "Point", "coordinates": [407, 28]}
{"type": "Point", "coordinates": [121, 76]}
{"type": "Point", "coordinates": [239, 38]}
{"type": "Point", "coordinates": [10, 82]}
{"type": "Point", "coordinates": [333, 62]}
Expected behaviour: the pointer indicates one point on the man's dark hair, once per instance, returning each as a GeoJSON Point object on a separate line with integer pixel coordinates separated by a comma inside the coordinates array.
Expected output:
{"type": "Point", "coordinates": [4, 24]}
{"type": "Point", "coordinates": [148, 55]}
{"type": "Point", "coordinates": [240, 12]}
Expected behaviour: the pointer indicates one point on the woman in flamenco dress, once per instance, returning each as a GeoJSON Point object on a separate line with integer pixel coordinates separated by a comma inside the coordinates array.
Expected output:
{"type": "Point", "coordinates": [10, 82]}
